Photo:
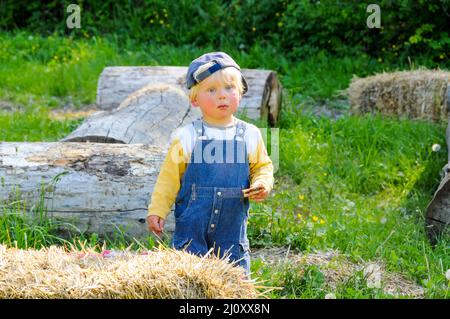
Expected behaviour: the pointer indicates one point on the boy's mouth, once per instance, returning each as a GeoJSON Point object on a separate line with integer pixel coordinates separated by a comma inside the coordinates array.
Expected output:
{"type": "Point", "coordinates": [222, 107]}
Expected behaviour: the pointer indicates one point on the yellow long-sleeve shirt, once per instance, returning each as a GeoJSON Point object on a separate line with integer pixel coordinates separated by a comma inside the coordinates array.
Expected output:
{"type": "Point", "coordinates": [178, 156]}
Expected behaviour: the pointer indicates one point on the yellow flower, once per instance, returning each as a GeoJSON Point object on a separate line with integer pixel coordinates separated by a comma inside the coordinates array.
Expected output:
{"type": "Point", "coordinates": [322, 221]}
{"type": "Point", "coordinates": [299, 216]}
{"type": "Point", "coordinates": [315, 218]}
{"type": "Point", "coordinates": [325, 174]}
{"type": "Point", "coordinates": [151, 21]}
{"type": "Point", "coordinates": [301, 197]}
{"type": "Point", "coordinates": [253, 29]}
{"type": "Point", "coordinates": [280, 24]}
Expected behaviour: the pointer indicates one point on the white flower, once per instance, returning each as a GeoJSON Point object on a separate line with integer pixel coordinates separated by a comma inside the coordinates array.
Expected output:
{"type": "Point", "coordinates": [447, 274]}
{"type": "Point", "coordinates": [330, 295]}
{"type": "Point", "coordinates": [436, 147]}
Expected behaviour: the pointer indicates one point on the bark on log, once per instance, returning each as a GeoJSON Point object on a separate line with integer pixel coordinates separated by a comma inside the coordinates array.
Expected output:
{"type": "Point", "coordinates": [263, 99]}
{"type": "Point", "coordinates": [97, 187]}
{"type": "Point", "coordinates": [147, 116]}
{"type": "Point", "coordinates": [438, 212]}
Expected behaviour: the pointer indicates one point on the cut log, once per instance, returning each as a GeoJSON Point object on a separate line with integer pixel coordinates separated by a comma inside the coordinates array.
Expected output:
{"type": "Point", "coordinates": [147, 116]}
{"type": "Point", "coordinates": [97, 187]}
{"type": "Point", "coordinates": [262, 101]}
{"type": "Point", "coordinates": [438, 212]}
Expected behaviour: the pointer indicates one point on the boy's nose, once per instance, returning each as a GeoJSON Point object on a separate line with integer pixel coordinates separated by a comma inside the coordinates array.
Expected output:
{"type": "Point", "coordinates": [222, 93]}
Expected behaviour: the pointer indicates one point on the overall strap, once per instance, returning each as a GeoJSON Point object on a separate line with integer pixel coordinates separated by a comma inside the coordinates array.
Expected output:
{"type": "Point", "coordinates": [199, 129]}
{"type": "Point", "coordinates": [240, 130]}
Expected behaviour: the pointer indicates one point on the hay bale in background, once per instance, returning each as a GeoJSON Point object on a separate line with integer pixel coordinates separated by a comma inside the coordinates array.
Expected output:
{"type": "Point", "coordinates": [421, 94]}
{"type": "Point", "coordinates": [164, 273]}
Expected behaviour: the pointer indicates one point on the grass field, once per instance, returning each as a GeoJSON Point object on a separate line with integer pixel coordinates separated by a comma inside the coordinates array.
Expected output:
{"type": "Point", "coordinates": [358, 185]}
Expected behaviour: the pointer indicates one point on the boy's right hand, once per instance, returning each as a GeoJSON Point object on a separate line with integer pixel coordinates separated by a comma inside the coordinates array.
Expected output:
{"type": "Point", "coordinates": [155, 224]}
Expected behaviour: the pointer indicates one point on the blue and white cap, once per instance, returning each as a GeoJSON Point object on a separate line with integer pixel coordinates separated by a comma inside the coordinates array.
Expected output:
{"type": "Point", "coordinates": [215, 61]}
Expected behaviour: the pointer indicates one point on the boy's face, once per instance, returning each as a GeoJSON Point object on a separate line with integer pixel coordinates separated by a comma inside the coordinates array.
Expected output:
{"type": "Point", "coordinates": [217, 99]}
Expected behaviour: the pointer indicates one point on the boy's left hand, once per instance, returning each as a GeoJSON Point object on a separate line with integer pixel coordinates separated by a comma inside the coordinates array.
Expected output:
{"type": "Point", "coordinates": [257, 192]}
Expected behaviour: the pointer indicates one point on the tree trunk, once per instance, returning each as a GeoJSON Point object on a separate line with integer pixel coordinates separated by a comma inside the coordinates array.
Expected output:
{"type": "Point", "coordinates": [263, 99]}
{"type": "Point", "coordinates": [95, 186]}
{"type": "Point", "coordinates": [147, 116]}
{"type": "Point", "coordinates": [438, 212]}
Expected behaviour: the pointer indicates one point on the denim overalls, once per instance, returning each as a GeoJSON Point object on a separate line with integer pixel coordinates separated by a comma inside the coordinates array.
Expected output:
{"type": "Point", "coordinates": [210, 210]}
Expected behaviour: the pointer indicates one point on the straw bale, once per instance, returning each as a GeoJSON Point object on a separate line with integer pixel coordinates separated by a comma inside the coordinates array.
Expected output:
{"type": "Point", "coordinates": [420, 94]}
{"type": "Point", "coordinates": [55, 272]}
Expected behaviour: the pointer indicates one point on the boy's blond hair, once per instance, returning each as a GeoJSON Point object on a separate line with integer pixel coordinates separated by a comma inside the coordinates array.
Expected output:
{"type": "Point", "coordinates": [229, 75]}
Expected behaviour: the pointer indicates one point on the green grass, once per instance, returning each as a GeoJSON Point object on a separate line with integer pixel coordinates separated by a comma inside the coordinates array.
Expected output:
{"type": "Point", "coordinates": [52, 70]}
{"type": "Point", "coordinates": [359, 185]}
{"type": "Point", "coordinates": [33, 126]}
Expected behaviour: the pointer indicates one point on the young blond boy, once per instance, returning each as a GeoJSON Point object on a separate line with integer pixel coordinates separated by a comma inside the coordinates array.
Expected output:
{"type": "Point", "coordinates": [213, 167]}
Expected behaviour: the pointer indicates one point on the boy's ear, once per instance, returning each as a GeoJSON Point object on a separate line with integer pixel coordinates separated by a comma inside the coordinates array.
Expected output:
{"type": "Point", "coordinates": [194, 102]}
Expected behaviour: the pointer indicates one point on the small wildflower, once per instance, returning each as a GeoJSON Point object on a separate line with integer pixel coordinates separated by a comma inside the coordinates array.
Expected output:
{"type": "Point", "coordinates": [436, 147]}
{"type": "Point", "coordinates": [380, 60]}
{"type": "Point", "coordinates": [322, 221]}
{"type": "Point", "coordinates": [330, 295]}
{"type": "Point", "coordinates": [325, 174]}
{"type": "Point", "coordinates": [280, 24]}
{"type": "Point", "coordinates": [441, 56]}
{"type": "Point", "coordinates": [253, 29]}
{"type": "Point", "coordinates": [299, 216]}
{"type": "Point", "coordinates": [315, 218]}
{"type": "Point", "coordinates": [301, 197]}
{"type": "Point", "coordinates": [161, 22]}
{"type": "Point", "coordinates": [151, 21]}
{"type": "Point", "coordinates": [277, 14]}
{"type": "Point", "coordinates": [447, 274]}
